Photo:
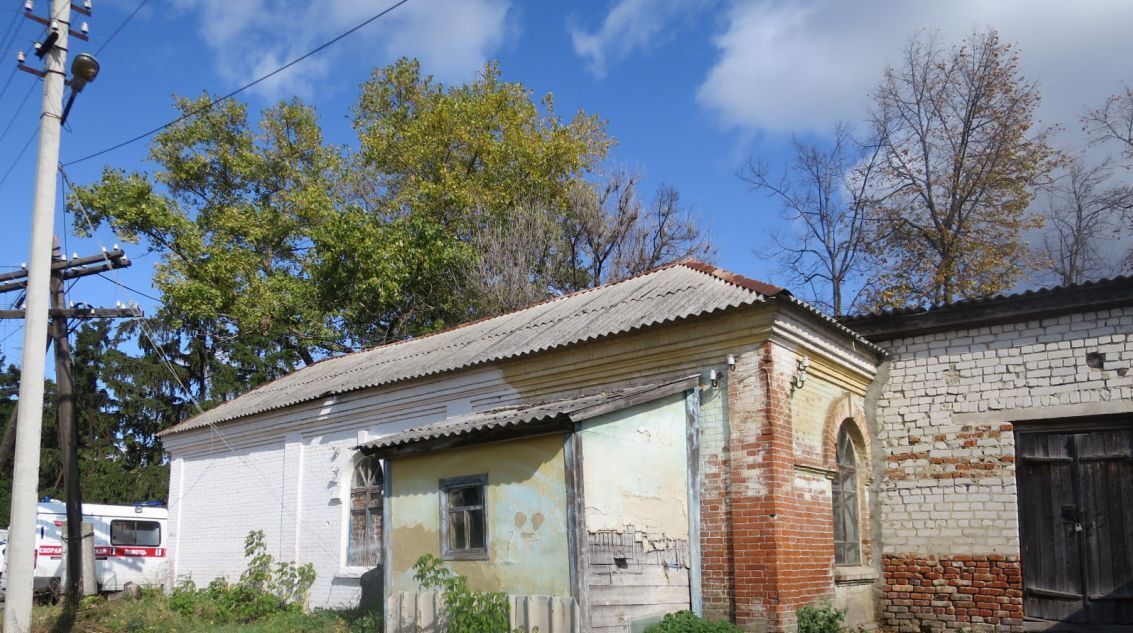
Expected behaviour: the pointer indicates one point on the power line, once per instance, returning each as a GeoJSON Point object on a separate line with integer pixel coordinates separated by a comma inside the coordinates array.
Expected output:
{"type": "Point", "coordinates": [4, 178]}
{"type": "Point", "coordinates": [8, 30]}
{"type": "Point", "coordinates": [165, 360]}
{"type": "Point", "coordinates": [8, 82]}
{"type": "Point", "coordinates": [19, 108]}
{"type": "Point", "coordinates": [133, 290]}
{"type": "Point", "coordinates": [237, 91]}
{"type": "Point", "coordinates": [121, 26]}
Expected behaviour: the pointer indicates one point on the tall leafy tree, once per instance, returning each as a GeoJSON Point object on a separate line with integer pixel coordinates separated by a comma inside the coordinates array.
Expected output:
{"type": "Point", "coordinates": [436, 166]}
{"type": "Point", "coordinates": [963, 154]}
{"type": "Point", "coordinates": [278, 248]}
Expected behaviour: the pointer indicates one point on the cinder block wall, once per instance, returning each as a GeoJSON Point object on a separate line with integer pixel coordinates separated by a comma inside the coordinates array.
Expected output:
{"type": "Point", "coordinates": [948, 499]}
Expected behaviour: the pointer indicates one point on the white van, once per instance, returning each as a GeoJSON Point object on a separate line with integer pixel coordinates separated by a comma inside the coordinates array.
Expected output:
{"type": "Point", "coordinates": [129, 544]}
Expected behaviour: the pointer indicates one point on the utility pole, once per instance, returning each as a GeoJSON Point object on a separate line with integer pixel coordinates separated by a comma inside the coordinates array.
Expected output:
{"type": "Point", "coordinates": [63, 270]}
{"type": "Point", "coordinates": [68, 433]}
{"type": "Point", "coordinates": [29, 425]}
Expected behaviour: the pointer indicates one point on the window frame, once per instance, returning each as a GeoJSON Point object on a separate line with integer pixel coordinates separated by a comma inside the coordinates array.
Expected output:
{"type": "Point", "coordinates": [843, 494]}
{"type": "Point", "coordinates": [447, 485]}
{"type": "Point", "coordinates": [375, 489]}
{"type": "Point", "coordinates": [134, 531]}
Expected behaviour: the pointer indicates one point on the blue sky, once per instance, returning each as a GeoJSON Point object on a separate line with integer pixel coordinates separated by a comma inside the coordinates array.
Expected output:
{"type": "Point", "coordinates": [690, 88]}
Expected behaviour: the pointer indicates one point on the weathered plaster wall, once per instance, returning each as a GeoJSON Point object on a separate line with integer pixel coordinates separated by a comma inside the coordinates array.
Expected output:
{"type": "Point", "coordinates": [527, 505]}
{"type": "Point", "coordinates": [635, 486]}
{"type": "Point", "coordinates": [636, 470]}
{"type": "Point", "coordinates": [948, 499]}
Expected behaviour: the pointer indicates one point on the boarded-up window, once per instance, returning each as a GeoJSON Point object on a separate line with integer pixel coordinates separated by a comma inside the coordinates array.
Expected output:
{"type": "Point", "coordinates": [464, 516]}
{"type": "Point", "coordinates": [847, 542]}
{"type": "Point", "coordinates": [365, 547]}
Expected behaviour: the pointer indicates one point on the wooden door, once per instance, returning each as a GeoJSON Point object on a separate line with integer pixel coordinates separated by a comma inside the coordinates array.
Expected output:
{"type": "Point", "coordinates": [1076, 522]}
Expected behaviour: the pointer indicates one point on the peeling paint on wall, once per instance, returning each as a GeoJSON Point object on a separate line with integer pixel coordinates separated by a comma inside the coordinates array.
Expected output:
{"type": "Point", "coordinates": [635, 466]}
{"type": "Point", "coordinates": [635, 478]}
{"type": "Point", "coordinates": [526, 502]}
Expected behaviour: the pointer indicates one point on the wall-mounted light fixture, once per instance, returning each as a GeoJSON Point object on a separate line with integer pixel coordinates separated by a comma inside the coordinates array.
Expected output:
{"type": "Point", "coordinates": [714, 378]}
{"type": "Point", "coordinates": [731, 362]}
{"type": "Point", "coordinates": [799, 379]}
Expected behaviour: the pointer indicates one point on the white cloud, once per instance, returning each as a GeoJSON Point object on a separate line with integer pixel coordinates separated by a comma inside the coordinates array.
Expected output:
{"type": "Point", "coordinates": [630, 26]}
{"type": "Point", "coordinates": [800, 66]}
{"type": "Point", "coordinates": [248, 38]}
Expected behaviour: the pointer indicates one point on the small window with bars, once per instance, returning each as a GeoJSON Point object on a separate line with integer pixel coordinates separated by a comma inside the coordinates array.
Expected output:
{"type": "Point", "coordinates": [464, 518]}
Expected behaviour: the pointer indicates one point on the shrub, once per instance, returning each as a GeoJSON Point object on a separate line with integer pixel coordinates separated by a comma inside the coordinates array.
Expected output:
{"type": "Point", "coordinates": [824, 619]}
{"type": "Point", "coordinates": [265, 589]}
{"type": "Point", "coordinates": [466, 611]}
{"type": "Point", "coordinates": [689, 622]}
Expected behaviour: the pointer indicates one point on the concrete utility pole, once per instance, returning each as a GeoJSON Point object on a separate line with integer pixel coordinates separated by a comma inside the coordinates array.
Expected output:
{"type": "Point", "coordinates": [29, 426]}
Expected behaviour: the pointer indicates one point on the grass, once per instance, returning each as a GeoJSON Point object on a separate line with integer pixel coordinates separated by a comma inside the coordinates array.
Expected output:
{"type": "Point", "coordinates": [153, 613]}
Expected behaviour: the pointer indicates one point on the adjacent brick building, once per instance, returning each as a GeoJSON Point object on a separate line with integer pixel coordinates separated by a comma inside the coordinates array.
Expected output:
{"type": "Point", "coordinates": [960, 385]}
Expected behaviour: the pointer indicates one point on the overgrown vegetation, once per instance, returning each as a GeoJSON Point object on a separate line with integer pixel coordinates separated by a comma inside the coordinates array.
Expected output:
{"type": "Point", "coordinates": [824, 619]}
{"type": "Point", "coordinates": [266, 588]}
{"type": "Point", "coordinates": [689, 622]}
{"type": "Point", "coordinates": [270, 596]}
{"type": "Point", "coordinates": [466, 611]}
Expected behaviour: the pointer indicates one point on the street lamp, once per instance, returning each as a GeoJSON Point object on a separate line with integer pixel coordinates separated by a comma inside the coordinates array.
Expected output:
{"type": "Point", "coordinates": [84, 69]}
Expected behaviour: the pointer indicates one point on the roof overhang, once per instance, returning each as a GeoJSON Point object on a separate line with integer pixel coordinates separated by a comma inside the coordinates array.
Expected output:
{"type": "Point", "coordinates": [505, 423]}
{"type": "Point", "coordinates": [970, 313]}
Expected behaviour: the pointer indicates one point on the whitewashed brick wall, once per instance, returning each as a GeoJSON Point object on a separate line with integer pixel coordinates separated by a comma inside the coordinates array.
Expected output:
{"type": "Point", "coordinates": [944, 421]}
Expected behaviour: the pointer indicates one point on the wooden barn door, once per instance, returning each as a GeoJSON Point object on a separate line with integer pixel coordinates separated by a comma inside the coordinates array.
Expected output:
{"type": "Point", "coordinates": [1076, 521]}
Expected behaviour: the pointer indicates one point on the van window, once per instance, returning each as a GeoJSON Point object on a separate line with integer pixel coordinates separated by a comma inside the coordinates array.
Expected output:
{"type": "Point", "coordinates": [144, 533]}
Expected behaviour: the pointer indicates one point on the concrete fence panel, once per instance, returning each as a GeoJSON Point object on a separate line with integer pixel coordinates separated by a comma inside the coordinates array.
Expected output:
{"type": "Point", "coordinates": [423, 612]}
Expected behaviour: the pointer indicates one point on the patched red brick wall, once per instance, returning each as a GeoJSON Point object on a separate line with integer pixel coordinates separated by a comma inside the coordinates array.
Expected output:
{"type": "Point", "coordinates": [952, 592]}
{"type": "Point", "coordinates": [716, 561]}
{"type": "Point", "coordinates": [781, 530]}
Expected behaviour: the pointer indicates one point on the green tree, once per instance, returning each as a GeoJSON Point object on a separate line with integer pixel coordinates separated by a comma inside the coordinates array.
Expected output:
{"type": "Point", "coordinates": [277, 248]}
{"type": "Point", "coordinates": [961, 156]}
{"type": "Point", "coordinates": [436, 167]}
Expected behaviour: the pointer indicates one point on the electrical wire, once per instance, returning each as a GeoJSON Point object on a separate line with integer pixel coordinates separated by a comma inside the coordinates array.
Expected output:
{"type": "Point", "coordinates": [127, 288]}
{"type": "Point", "coordinates": [19, 108]}
{"type": "Point", "coordinates": [8, 31]}
{"type": "Point", "coordinates": [27, 144]}
{"type": "Point", "coordinates": [121, 26]}
{"type": "Point", "coordinates": [332, 550]}
{"type": "Point", "coordinates": [246, 86]}
{"type": "Point", "coordinates": [8, 82]}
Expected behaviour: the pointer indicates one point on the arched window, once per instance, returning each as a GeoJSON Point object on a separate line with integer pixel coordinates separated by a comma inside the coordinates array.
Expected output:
{"type": "Point", "coordinates": [365, 546]}
{"type": "Point", "coordinates": [847, 539]}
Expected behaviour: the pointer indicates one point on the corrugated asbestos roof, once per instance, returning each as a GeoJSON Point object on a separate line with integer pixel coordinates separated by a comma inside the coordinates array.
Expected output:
{"type": "Point", "coordinates": [573, 409]}
{"type": "Point", "coordinates": [676, 291]}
